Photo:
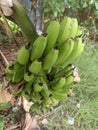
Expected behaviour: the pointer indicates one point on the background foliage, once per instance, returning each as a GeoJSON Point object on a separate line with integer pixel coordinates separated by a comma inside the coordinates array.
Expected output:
{"type": "Point", "coordinates": [43, 11]}
{"type": "Point", "coordinates": [86, 11]}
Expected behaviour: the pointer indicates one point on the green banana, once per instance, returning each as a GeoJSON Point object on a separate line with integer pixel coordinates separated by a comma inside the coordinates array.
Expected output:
{"type": "Point", "coordinates": [68, 70]}
{"type": "Point", "coordinates": [50, 59]}
{"type": "Point", "coordinates": [16, 72]}
{"type": "Point", "coordinates": [80, 47]}
{"type": "Point", "coordinates": [9, 76]}
{"type": "Point", "coordinates": [18, 75]}
{"type": "Point", "coordinates": [74, 28]}
{"type": "Point", "coordinates": [77, 50]}
{"type": "Point", "coordinates": [38, 87]}
{"type": "Point", "coordinates": [64, 51]}
{"type": "Point", "coordinates": [58, 96]}
{"type": "Point", "coordinates": [35, 66]}
{"type": "Point", "coordinates": [79, 31]}
{"type": "Point", "coordinates": [62, 71]}
{"type": "Point", "coordinates": [65, 89]}
{"type": "Point", "coordinates": [59, 84]}
{"type": "Point", "coordinates": [43, 109]}
{"type": "Point", "coordinates": [65, 28]}
{"type": "Point", "coordinates": [69, 80]}
{"type": "Point", "coordinates": [45, 93]}
{"type": "Point", "coordinates": [35, 106]}
{"type": "Point", "coordinates": [28, 76]}
{"type": "Point", "coordinates": [23, 55]}
{"type": "Point", "coordinates": [35, 96]}
{"type": "Point", "coordinates": [52, 34]}
{"type": "Point", "coordinates": [47, 102]}
{"type": "Point", "coordinates": [28, 87]}
{"type": "Point", "coordinates": [38, 48]}
{"type": "Point", "coordinates": [68, 87]}
{"type": "Point", "coordinates": [54, 102]}
{"type": "Point", "coordinates": [10, 69]}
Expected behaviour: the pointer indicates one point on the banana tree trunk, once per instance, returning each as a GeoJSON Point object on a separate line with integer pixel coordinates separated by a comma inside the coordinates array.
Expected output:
{"type": "Point", "coordinates": [24, 22]}
{"type": "Point", "coordinates": [31, 12]}
{"type": "Point", "coordinates": [39, 16]}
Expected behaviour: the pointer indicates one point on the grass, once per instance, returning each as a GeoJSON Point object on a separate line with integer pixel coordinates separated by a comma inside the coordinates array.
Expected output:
{"type": "Point", "coordinates": [81, 109]}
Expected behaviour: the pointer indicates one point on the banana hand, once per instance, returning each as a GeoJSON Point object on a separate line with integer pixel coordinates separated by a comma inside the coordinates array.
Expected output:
{"type": "Point", "coordinates": [50, 59]}
{"type": "Point", "coordinates": [52, 34]}
{"type": "Point", "coordinates": [38, 48]}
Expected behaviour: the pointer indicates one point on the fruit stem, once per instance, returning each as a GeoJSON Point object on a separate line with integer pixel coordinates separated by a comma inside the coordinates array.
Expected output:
{"type": "Point", "coordinates": [20, 17]}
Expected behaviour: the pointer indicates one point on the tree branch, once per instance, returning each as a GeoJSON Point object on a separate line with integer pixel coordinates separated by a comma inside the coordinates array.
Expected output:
{"type": "Point", "coordinates": [4, 58]}
{"type": "Point", "coordinates": [8, 29]}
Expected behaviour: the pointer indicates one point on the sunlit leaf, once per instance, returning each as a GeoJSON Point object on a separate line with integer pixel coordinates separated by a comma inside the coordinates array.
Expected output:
{"type": "Point", "coordinates": [96, 4]}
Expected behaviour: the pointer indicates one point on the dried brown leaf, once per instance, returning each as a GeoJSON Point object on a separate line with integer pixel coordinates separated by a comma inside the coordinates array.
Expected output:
{"type": "Point", "coordinates": [6, 7]}
{"type": "Point", "coordinates": [30, 123]}
{"type": "Point", "coordinates": [26, 104]}
{"type": "Point", "coordinates": [7, 3]}
{"type": "Point", "coordinates": [5, 96]}
{"type": "Point", "coordinates": [76, 76]}
{"type": "Point", "coordinates": [7, 11]}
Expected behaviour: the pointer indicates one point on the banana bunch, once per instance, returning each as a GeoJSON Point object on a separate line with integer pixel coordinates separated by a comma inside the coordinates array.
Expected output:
{"type": "Point", "coordinates": [45, 93]}
{"type": "Point", "coordinates": [45, 65]}
{"type": "Point", "coordinates": [14, 27]}
{"type": "Point", "coordinates": [14, 73]}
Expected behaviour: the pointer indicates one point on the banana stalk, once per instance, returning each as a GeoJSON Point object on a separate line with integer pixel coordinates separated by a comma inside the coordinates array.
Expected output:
{"type": "Point", "coordinates": [20, 17]}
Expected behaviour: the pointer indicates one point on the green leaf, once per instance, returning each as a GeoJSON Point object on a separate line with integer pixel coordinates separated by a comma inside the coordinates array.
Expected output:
{"type": "Point", "coordinates": [96, 4]}
{"type": "Point", "coordinates": [47, 10]}
{"type": "Point", "coordinates": [4, 106]}
{"type": "Point", "coordinates": [91, 1]}
{"type": "Point", "coordinates": [85, 5]}
{"type": "Point", "coordinates": [55, 13]}
{"type": "Point", "coordinates": [96, 13]}
{"type": "Point", "coordinates": [62, 9]}
{"type": "Point", "coordinates": [1, 123]}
